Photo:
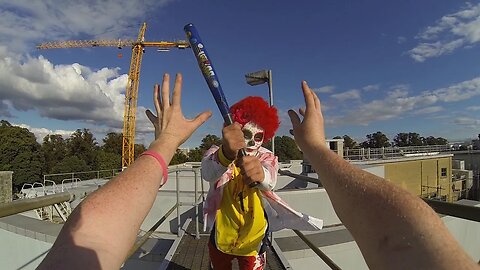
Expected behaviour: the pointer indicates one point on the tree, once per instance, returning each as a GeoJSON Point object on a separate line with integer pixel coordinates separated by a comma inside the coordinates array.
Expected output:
{"type": "Point", "coordinates": [54, 150]}
{"type": "Point", "coordinates": [108, 160]}
{"type": "Point", "coordinates": [178, 158]}
{"type": "Point", "coordinates": [408, 139]}
{"type": "Point", "coordinates": [195, 154]}
{"type": "Point", "coordinates": [20, 153]}
{"type": "Point", "coordinates": [286, 148]}
{"type": "Point", "coordinates": [376, 140]}
{"type": "Point", "coordinates": [83, 145]}
{"type": "Point", "coordinates": [210, 140]}
{"type": "Point", "coordinates": [139, 148]}
{"type": "Point", "coordinates": [112, 143]}
{"type": "Point", "coordinates": [430, 140]}
{"type": "Point", "coordinates": [71, 164]}
{"type": "Point", "coordinates": [349, 142]}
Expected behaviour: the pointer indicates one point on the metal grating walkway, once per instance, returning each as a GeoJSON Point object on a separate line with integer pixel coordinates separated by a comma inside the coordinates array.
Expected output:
{"type": "Point", "coordinates": [192, 254]}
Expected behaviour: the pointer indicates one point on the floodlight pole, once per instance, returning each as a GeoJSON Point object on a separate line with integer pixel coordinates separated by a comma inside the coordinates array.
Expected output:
{"type": "Point", "coordinates": [270, 93]}
{"type": "Point", "coordinates": [260, 77]}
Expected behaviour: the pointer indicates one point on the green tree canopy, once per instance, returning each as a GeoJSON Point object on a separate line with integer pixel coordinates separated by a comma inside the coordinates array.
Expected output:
{"type": "Point", "coordinates": [83, 145]}
{"type": "Point", "coordinates": [71, 164]}
{"type": "Point", "coordinates": [20, 153]}
{"type": "Point", "coordinates": [210, 140]}
{"type": "Point", "coordinates": [108, 160]}
{"type": "Point", "coordinates": [430, 140]}
{"type": "Point", "coordinates": [54, 149]}
{"type": "Point", "coordinates": [376, 140]}
{"type": "Point", "coordinates": [139, 148]}
{"type": "Point", "coordinates": [285, 148]}
{"type": "Point", "coordinates": [112, 143]}
{"type": "Point", "coordinates": [195, 154]}
{"type": "Point", "coordinates": [178, 158]}
{"type": "Point", "coordinates": [408, 139]}
{"type": "Point", "coordinates": [348, 142]}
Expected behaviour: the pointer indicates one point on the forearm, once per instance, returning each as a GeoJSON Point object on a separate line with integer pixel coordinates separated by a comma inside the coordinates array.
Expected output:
{"type": "Point", "coordinates": [270, 170]}
{"type": "Point", "coordinates": [102, 221]}
{"type": "Point", "coordinates": [214, 164]}
{"type": "Point", "coordinates": [406, 233]}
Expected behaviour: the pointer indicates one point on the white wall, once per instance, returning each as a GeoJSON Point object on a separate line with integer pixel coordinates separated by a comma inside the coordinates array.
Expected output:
{"type": "Point", "coordinates": [21, 252]}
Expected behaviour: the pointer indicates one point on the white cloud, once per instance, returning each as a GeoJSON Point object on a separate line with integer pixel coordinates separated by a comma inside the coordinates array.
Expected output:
{"type": "Point", "coordinates": [350, 94]}
{"type": "Point", "coordinates": [401, 40]}
{"type": "Point", "coordinates": [473, 108]}
{"type": "Point", "coordinates": [67, 92]}
{"type": "Point", "coordinates": [324, 89]}
{"type": "Point", "coordinates": [428, 110]}
{"type": "Point", "coordinates": [371, 87]}
{"type": "Point", "coordinates": [398, 103]}
{"type": "Point", "coordinates": [452, 31]}
{"type": "Point", "coordinates": [64, 92]}
{"type": "Point", "coordinates": [467, 121]}
{"type": "Point", "coordinates": [23, 22]}
{"type": "Point", "coordinates": [40, 133]}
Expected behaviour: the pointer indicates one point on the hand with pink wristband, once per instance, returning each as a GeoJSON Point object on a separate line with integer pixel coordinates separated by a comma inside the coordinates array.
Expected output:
{"type": "Point", "coordinates": [114, 213]}
{"type": "Point", "coordinates": [171, 127]}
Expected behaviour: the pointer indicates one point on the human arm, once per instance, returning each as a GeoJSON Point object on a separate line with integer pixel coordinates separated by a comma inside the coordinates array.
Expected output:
{"type": "Point", "coordinates": [102, 229]}
{"type": "Point", "coordinates": [393, 228]}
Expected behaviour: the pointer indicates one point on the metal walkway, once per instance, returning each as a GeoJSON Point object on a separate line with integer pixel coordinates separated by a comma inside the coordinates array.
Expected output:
{"type": "Point", "coordinates": [192, 254]}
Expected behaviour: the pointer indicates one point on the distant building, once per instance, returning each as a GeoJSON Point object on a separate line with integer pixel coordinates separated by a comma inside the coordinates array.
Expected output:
{"type": "Point", "coordinates": [425, 171]}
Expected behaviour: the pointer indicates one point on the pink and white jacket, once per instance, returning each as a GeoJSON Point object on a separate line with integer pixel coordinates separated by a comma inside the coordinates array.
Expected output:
{"type": "Point", "coordinates": [280, 214]}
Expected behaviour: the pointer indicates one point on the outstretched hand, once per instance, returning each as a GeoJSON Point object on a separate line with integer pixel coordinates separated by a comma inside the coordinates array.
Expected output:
{"type": "Point", "coordinates": [170, 123]}
{"type": "Point", "coordinates": [310, 131]}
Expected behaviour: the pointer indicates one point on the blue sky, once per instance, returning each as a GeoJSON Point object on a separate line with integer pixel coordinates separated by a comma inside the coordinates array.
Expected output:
{"type": "Point", "coordinates": [390, 66]}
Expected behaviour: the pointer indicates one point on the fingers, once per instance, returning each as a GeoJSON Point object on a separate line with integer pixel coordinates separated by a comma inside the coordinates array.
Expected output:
{"type": "Point", "coordinates": [236, 125]}
{"type": "Point", "coordinates": [201, 118]}
{"type": "Point", "coordinates": [302, 111]}
{"type": "Point", "coordinates": [294, 118]}
{"type": "Point", "coordinates": [177, 91]}
{"type": "Point", "coordinates": [165, 91]}
{"type": "Point", "coordinates": [151, 117]}
{"type": "Point", "coordinates": [307, 93]}
{"type": "Point", "coordinates": [317, 102]}
{"type": "Point", "coordinates": [156, 98]}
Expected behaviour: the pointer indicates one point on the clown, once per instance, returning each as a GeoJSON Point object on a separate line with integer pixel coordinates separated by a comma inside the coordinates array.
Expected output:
{"type": "Point", "coordinates": [241, 205]}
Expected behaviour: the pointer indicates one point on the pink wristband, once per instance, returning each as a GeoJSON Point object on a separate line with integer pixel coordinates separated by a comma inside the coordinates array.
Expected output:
{"type": "Point", "coordinates": [160, 160]}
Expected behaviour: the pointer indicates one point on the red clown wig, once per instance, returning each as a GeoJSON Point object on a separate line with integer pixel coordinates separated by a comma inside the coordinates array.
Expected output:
{"type": "Point", "coordinates": [257, 110]}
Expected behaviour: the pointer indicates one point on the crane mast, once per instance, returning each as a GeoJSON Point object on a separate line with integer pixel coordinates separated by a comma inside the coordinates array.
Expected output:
{"type": "Point", "coordinates": [131, 93]}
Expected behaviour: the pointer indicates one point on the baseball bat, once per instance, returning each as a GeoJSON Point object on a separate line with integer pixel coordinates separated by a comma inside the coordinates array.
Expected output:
{"type": "Point", "coordinates": [209, 74]}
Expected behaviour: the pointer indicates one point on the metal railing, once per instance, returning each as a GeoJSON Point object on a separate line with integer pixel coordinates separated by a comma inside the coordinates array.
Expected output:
{"type": "Point", "coordinates": [23, 205]}
{"type": "Point", "coordinates": [393, 152]}
{"type": "Point", "coordinates": [99, 174]}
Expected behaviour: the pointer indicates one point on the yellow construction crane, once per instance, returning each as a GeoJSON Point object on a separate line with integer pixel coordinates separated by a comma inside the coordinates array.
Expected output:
{"type": "Point", "coordinates": [131, 93]}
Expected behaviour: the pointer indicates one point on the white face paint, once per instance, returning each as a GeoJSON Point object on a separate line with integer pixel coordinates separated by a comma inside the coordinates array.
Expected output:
{"type": "Point", "coordinates": [253, 136]}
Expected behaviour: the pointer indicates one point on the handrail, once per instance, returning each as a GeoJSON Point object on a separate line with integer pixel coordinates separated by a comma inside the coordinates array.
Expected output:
{"type": "Point", "coordinates": [145, 237]}
{"type": "Point", "coordinates": [73, 183]}
{"type": "Point", "coordinates": [451, 209]}
{"type": "Point", "coordinates": [455, 210]}
{"type": "Point", "coordinates": [53, 185]}
{"type": "Point", "coordinates": [317, 251]}
{"type": "Point", "coordinates": [300, 177]}
{"type": "Point", "coordinates": [19, 206]}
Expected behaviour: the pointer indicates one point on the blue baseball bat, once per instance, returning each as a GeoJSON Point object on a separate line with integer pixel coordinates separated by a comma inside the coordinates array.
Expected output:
{"type": "Point", "coordinates": [208, 71]}
{"type": "Point", "coordinates": [209, 74]}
